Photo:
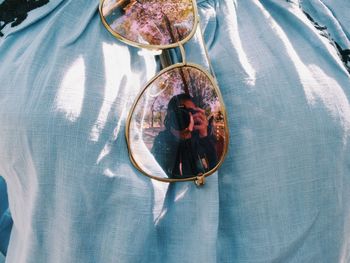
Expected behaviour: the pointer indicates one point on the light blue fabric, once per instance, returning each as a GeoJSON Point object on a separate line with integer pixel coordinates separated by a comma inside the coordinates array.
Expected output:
{"type": "Point", "coordinates": [282, 194]}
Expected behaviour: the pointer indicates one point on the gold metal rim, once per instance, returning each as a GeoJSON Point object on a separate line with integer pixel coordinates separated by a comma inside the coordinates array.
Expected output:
{"type": "Point", "coordinates": [127, 130]}
{"type": "Point", "coordinates": [177, 65]}
{"type": "Point", "coordinates": [152, 47]}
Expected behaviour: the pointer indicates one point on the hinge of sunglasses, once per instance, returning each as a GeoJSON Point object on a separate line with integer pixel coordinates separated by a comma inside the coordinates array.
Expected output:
{"type": "Point", "coordinates": [200, 180]}
{"type": "Point", "coordinates": [183, 53]}
{"type": "Point", "coordinates": [166, 57]}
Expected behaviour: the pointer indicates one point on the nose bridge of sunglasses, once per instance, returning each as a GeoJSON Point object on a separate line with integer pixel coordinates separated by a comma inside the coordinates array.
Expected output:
{"type": "Point", "coordinates": [169, 57]}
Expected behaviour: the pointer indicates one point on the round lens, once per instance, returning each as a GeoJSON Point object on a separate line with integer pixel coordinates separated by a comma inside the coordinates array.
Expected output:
{"type": "Point", "coordinates": [177, 128]}
{"type": "Point", "coordinates": [149, 22]}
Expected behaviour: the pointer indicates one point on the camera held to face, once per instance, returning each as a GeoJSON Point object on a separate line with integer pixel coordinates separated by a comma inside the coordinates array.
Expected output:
{"type": "Point", "coordinates": [180, 118]}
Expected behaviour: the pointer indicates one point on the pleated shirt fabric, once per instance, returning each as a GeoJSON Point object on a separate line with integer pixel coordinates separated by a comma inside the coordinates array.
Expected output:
{"type": "Point", "coordinates": [283, 192]}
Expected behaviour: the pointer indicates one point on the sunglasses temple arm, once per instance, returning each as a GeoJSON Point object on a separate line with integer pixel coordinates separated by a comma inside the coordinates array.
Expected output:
{"type": "Point", "coordinates": [207, 53]}
{"type": "Point", "coordinates": [166, 59]}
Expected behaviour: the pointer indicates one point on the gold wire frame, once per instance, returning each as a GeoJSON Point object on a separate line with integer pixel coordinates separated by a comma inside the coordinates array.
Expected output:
{"type": "Point", "coordinates": [217, 90]}
{"type": "Point", "coordinates": [149, 46]}
{"type": "Point", "coordinates": [198, 179]}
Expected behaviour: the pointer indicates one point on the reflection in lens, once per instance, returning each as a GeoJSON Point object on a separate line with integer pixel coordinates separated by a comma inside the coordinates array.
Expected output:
{"type": "Point", "coordinates": [152, 22]}
{"type": "Point", "coordinates": [178, 128]}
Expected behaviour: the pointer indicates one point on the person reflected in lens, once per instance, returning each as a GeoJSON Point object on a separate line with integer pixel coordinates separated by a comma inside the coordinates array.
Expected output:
{"type": "Point", "coordinates": [185, 148]}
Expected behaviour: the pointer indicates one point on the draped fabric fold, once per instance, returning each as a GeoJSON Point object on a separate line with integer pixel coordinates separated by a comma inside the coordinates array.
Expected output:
{"type": "Point", "coordinates": [283, 192]}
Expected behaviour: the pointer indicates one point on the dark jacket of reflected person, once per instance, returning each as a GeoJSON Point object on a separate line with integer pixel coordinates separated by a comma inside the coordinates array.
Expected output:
{"type": "Point", "coordinates": [185, 148]}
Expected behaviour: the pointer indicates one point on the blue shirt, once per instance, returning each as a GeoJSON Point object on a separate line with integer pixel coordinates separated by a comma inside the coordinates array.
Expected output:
{"type": "Point", "coordinates": [282, 194]}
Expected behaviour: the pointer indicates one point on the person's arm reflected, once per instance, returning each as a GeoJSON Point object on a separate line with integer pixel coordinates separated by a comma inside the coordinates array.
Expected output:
{"type": "Point", "coordinates": [206, 143]}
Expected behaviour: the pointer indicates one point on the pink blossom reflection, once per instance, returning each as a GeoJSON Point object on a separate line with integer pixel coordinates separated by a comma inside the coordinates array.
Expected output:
{"type": "Point", "coordinates": [154, 22]}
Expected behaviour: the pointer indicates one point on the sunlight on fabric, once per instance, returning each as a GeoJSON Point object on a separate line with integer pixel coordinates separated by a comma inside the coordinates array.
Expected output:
{"type": "Point", "coordinates": [316, 83]}
{"type": "Point", "coordinates": [142, 155]}
{"type": "Point", "coordinates": [322, 13]}
{"type": "Point", "coordinates": [107, 172]}
{"type": "Point", "coordinates": [303, 72]}
{"type": "Point", "coordinates": [160, 190]}
{"type": "Point", "coordinates": [248, 68]}
{"type": "Point", "coordinates": [151, 66]}
{"type": "Point", "coordinates": [69, 99]}
{"type": "Point", "coordinates": [145, 159]}
{"type": "Point", "coordinates": [161, 212]}
{"type": "Point", "coordinates": [113, 74]}
{"type": "Point", "coordinates": [160, 217]}
{"type": "Point", "coordinates": [333, 97]}
{"type": "Point", "coordinates": [181, 194]}
{"type": "Point", "coordinates": [133, 81]}
{"type": "Point", "coordinates": [242, 56]}
{"type": "Point", "coordinates": [108, 147]}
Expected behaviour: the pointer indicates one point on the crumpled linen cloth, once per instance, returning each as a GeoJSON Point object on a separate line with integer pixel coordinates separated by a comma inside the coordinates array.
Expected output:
{"type": "Point", "coordinates": [283, 192]}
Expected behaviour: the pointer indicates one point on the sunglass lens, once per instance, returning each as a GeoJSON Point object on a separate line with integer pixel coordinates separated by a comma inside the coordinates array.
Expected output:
{"type": "Point", "coordinates": [149, 22]}
{"type": "Point", "coordinates": [177, 129]}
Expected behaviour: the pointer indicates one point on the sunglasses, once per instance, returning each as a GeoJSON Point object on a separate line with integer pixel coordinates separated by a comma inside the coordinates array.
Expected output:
{"type": "Point", "coordinates": [177, 127]}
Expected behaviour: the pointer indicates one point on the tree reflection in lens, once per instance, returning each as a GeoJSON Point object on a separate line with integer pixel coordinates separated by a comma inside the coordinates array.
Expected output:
{"type": "Point", "coordinates": [153, 22]}
{"type": "Point", "coordinates": [177, 128]}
